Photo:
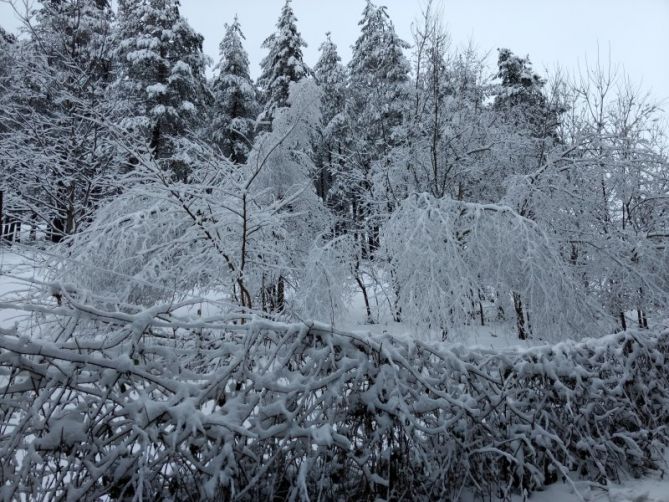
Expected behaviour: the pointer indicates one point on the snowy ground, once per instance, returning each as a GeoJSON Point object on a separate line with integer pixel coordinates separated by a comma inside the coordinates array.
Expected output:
{"type": "Point", "coordinates": [651, 489]}
{"type": "Point", "coordinates": [494, 335]}
{"type": "Point", "coordinates": [17, 263]}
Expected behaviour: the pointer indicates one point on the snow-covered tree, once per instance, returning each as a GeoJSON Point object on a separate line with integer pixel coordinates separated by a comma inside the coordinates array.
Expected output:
{"type": "Point", "coordinates": [240, 234]}
{"type": "Point", "coordinates": [522, 105]}
{"type": "Point", "coordinates": [448, 138]}
{"type": "Point", "coordinates": [445, 252]}
{"type": "Point", "coordinates": [7, 40]}
{"type": "Point", "coordinates": [521, 87]}
{"type": "Point", "coordinates": [606, 228]}
{"type": "Point", "coordinates": [281, 158]}
{"type": "Point", "coordinates": [622, 174]}
{"type": "Point", "coordinates": [59, 164]}
{"type": "Point", "coordinates": [7, 43]}
{"type": "Point", "coordinates": [377, 104]}
{"type": "Point", "coordinates": [235, 108]}
{"type": "Point", "coordinates": [379, 73]}
{"type": "Point", "coordinates": [332, 134]}
{"type": "Point", "coordinates": [160, 77]}
{"type": "Point", "coordinates": [283, 64]}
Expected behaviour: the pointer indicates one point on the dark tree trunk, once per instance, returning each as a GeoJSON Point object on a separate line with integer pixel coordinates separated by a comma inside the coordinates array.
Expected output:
{"type": "Point", "coordinates": [154, 144]}
{"type": "Point", "coordinates": [2, 216]}
{"type": "Point", "coordinates": [362, 287]}
{"type": "Point", "coordinates": [520, 316]}
{"type": "Point", "coordinates": [33, 227]}
{"type": "Point", "coordinates": [643, 320]}
{"type": "Point", "coordinates": [623, 321]}
{"type": "Point", "coordinates": [374, 240]}
{"type": "Point", "coordinates": [280, 294]}
{"type": "Point", "coordinates": [57, 229]}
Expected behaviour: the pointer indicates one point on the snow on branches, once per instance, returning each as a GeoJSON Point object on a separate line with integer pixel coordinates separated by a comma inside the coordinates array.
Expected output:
{"type": "Point", "coordinates": [446, 256]}
{"type": "Point", "coordinates": [231, 230]}
{"type": "Point", "coordinates": [130, 405]}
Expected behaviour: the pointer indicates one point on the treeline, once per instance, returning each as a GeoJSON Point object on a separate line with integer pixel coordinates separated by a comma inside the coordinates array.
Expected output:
{"type": "Point", "coordinates": [409, 174]}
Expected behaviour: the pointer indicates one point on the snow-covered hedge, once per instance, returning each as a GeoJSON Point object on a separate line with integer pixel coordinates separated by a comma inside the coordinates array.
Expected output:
{"type": "Point", "coordinates": [153, 405]}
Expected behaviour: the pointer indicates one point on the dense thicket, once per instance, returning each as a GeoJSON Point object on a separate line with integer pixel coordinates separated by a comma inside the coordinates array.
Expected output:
{"type": "Point", "coordinates": [139, 404]}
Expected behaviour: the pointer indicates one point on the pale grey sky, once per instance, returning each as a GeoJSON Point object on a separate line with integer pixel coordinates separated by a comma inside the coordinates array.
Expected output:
{"type": "Point", "coordinates": [565, 32]}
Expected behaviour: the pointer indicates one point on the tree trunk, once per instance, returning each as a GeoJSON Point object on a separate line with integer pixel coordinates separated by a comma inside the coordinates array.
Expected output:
{"type": "Point", "coordinates": [280, 294]}
{"type": "Point", "coordinates": [520, 317]}
{"type": "Point", "coordinates": [362, 287]}
{"type": "Point", "coordinates": [643, 320]}
{"type": "Point", "coordinates": [33, 227]}
{"type": "Point", "coordinates": [2, 214]}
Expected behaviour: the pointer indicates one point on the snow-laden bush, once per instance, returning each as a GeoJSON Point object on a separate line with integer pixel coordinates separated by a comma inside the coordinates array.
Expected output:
{"type": "Point", "coordinates": [139, 249]}
{"type": "Point", "coordinates": [443, 254]}
{"type": "Point", "coordinates": [156, 405]}
{"type": "Point", "coordinates": [325, 287]}
{"type": "Point", "coordinates": [234, 231]}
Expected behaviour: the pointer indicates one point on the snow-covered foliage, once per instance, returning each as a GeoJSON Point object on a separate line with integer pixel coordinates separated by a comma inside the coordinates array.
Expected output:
{"type": "Point", "coordinates": [130, 405]}
{"type": "Point", "coordinates": [330, 138]}
{"type": "Point", "coordinates": [184, 220]}
{"type": "Point", "coordinates": [324, 290]}
{"type": "Point", "coordinates": [235, 108]}
{"type": "Point", "coordinates": [55, 167]}
{"type": "Point", "coordinates": [283, 64]}
{"type": "Point", "coordinates": [230, 230]}
{"type": "Point", "coordinates": [160, 76]}
{"type": "Point", "coordinates": [445, 256]}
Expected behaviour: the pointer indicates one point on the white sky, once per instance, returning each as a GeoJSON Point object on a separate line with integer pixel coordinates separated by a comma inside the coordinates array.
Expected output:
{"type": "Point", "coordinates": [564, 32]}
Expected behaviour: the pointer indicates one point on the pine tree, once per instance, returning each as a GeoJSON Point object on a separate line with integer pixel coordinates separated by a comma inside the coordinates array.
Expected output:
{"type": "Point", "coordinates": [283, 64]}
{"type": "Point", "coordinates": [7, 42]}
{"type": "Point", "coordinates": [7, 46]}
{"type": "Point", "coordinates": [378, 99]}
{"type": "Point", "coordinates": [330, 76]}
{"type": "Point", "coordinates": [521, 95]}
{"type": "Point", "coordinates": [235, 107]}
{"type": "Point", "coordinates": [379, 73]}
{"type": "Point", "coordinates": [161, 76]}
{"type": "Point", "coordinates": [329, 146]}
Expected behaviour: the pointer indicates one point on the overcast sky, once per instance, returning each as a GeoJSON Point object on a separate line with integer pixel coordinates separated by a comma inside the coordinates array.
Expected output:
{"type": "Point", "coordinates": [551, 32]}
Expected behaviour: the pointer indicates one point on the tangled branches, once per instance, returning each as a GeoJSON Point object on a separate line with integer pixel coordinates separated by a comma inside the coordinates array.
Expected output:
{"type": "Point", "coordinates": [153, 405]}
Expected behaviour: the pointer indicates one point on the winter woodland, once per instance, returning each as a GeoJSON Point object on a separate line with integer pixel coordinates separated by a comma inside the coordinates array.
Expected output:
{"type": "Point", "coordinates": [182, 254]}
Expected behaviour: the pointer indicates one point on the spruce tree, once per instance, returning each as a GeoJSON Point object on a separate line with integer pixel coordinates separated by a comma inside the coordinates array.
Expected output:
{"type": "Point", "coordinates": [161, 76]}
{"type": "Point", "coordinates": [283, 64]}
{"type": "Point", "coordinates": [329, 146]}
{"type": "Point", "coordinates": [7, 47]}
{"type": "Point", "coordinates": [235, 106]}
{"type": "Point", "coordinates": [521, 97]}
{"type": "Point", "coordinates": [330, 76]}
{"type": "Point", "coordinates": [7, 41]}
{"type": "Point", "coordinates": [377, 104]}
{"type": "Point", "coordinates": [379, 73]}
